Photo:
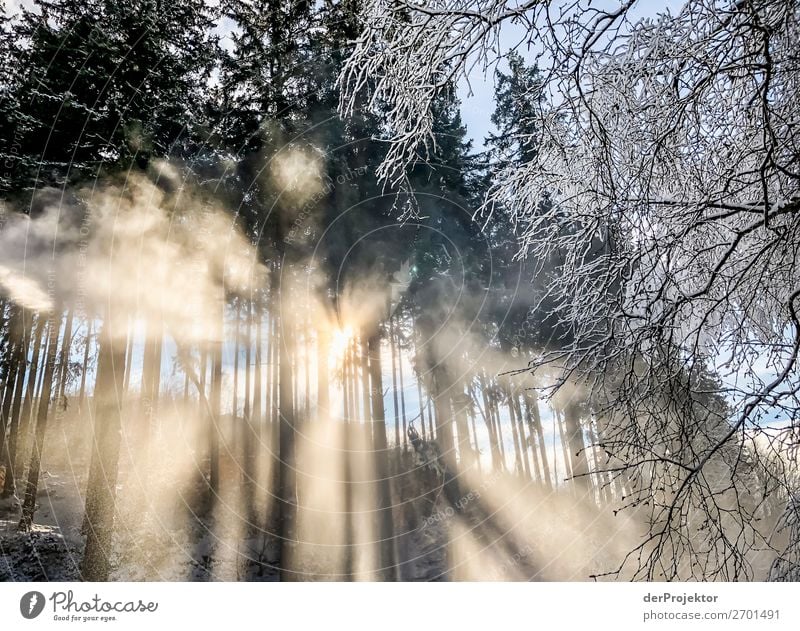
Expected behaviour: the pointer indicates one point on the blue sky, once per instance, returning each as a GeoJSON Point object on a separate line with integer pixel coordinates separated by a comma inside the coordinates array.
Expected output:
{"type": "Point", "coordinates": [478, 103]}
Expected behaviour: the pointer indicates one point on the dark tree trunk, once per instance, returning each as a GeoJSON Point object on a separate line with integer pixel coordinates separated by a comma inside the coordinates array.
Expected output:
{"type": "Point", "coordinates": [38, 392]}
{"type": "Point", "coordinates": [287, 461]}
{"type": "Point", "coordinates": [32, 486]}
{"type": "Point", "coordinates": [431, 417]}
{"type": "Point", "coordinates": [421, 406]}
{"type": "Point", "coordinates": [275, 367]}
{"type": "Point", "coordinates": [364, 367]}
{"type": "Point", "coordinates": [494, 447]}
{"type": "Point", "coordinates": [257, 385]}
{"type": "Point", "coordinates": [577, 447]}
{"type": "Point", "coordinates": [237, 314]}
{"type": "Point", "coordinates": [151, 386]}
{"type": "Point", "coordinates": [21, 447]}
{"type": "Point", "coordinates": [495, 407]}
{"type": "Point", "coordinates": [347, 416]}
{"type": "Point", "coordinates": [8, 454]}
{"type": "Point", "coordinates": [602, 484]}
{"type": "Point", "coordinates": [396, 407]}
{"type": "Point", "coordinates": [63, 360]}
{"type": "Point", "coordinates": [387, 566]}
{"type": "Point", "coordinates": [564, 446]}
{"type": "Point", "coordinates": [348, 448]}
{"type": "Point", "coordinates": [475, 434]}
{"type": "Point", "coordinates": [530, 440]}
{"type": "Point", "coordinates": [402, 387]}
{"type": "Point", "coordinates": [268, 396]}
{"type": "Point", "coordinates": [101, 491]}
{"type": "Point", "coordinates": [519, 468]}
{"type": "Point", "coordinates": [85, 370]}
{"type": "Point", "coordinates": [460, 404]}
{"type": "Point", "coordinates": [532, 412]}
{"type": "Point", "coordinates": [307, 370]}
{"type": "Point", "coordinates": [215, 418]}
{"type": "Point", "coordinates": [129, 355]}
{"type": "Point", "coordinates": [13, 367]}
{"type": "Point", "coordinates": [250, 432]}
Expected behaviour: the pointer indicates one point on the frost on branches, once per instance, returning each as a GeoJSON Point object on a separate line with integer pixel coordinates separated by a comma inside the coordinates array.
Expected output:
{"type": "Point", "coordinates": [663, 202]}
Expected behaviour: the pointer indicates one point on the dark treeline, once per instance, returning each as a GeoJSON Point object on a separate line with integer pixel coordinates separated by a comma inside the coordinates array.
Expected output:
{"type": "Point", "coordinates": [396, 315]}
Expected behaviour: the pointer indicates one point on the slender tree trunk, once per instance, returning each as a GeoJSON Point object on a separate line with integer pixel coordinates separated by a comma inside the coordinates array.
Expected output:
{"type": "Point", "coordinates": [7, 367]}
{"type": "Point", "coordinates": [402, 387]}
{"type": "Point", "coordinates": [602, 484]}
{"type": "Point", "coordinates": [352, 380]}
{"type": "Point", "coordinates": [250, 432]}
{"type": "Point", "coordinates": [85, 370]}
{"type": "Point", "coordinates": [247, 412]}
{"type": "Point", "coordinates": [129, 354]}
{"type": "Point", "coordinates": [494, 401]}
{"type": "Point", "coordinates": [530, 440]}
{"type": "Point", "coordinates": [363, 362]}
{"type": "Point", "coordinates": [38, 392]}
{"type": "Point", "coordinates": [564, 446]}
{"type": "Point", "coordinates": [270, 378]}
{"type": "Point", "coordinates": [215, 418]}
{"type": "Point", "coordinates": [203, 406]}
{"type": "Point", "coordinates": [513, 402]}
{"type": "Point", "coordinates": [9, 452]}
{"type": "Point", "coordinates": [535, 419]}
{"type": "Point", "coordinates": [393, 352]}
{"type": "Point", "coordinates": [497, 463]}
{"type": "Point", "coordinates": [460, 403]}
{"type": "Point", "coordinates": [257, 385]}
{"type": "Point", "coordinates": [580, 467]}
{"type": "Point", "coordinates": [387, 567]}
{"type": "Point", "coordinates": [185, 397]}
{"type": "Point", "coordinates": [237, 314]}
{"type": "Point", "coordinates": [151, 386]}
{"type": "Point", "coordinates": [421, 407]}
{"type": "Point", "coordinates": [63, 361]}
{"type": "Point", "coordinates": [307, 370]}
{"type": "Point", "coordinates": [295, 375]}
{"type": "Point", "coordinates": [618, 480]}
{"type": "Point", "coordinates": [477, 449]}
{"type": "Point", "coordinates": [518, 463]}
{"type": "Point", "coordinates": [32, 487]}
{"type": "Point", "coordinates": [16, 344]}
{"type": "Point", "coordinates": [258, 389]}
{"type": "Point", "coordinates": [287, 460]}
{"type": "Point", "coordinates": [3, 333]}
{"type": "Point", "coordinates": [444, 418]}
{"type": "Point", "coordinates": [346, 414]}
{"type": "Point", "coordinates": [349, 504]}
{"type": "Point", "coordinates": [275, 352]}
{"type": "Point", "coordinates": [356, 412]}
{"type": "Point", "coordinates": [23, 431]}
{"type": "Point", "coordinates": [431, 417]}
{"type": "Point", "coordinates": [555, 451]}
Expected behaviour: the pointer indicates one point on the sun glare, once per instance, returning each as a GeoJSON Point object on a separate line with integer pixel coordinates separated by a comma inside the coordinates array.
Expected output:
{"type": "Point", "coordinates": [340, 340]}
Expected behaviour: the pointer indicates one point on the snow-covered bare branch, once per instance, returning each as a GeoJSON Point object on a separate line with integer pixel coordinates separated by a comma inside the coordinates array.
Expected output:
{"type": "Point", "coordinates": [664, 191]}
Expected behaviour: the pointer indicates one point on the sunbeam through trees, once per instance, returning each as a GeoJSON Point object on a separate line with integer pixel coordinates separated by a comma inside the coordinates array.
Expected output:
{"type": "Point", "coordinates": [270, 310]}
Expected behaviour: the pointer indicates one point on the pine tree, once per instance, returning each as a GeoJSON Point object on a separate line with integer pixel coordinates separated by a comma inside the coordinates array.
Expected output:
{"type": "Point", "coordinates": [10, 111]}
{"type": "Point", "coordinates": [518, 97]}
{"type": "Point", "coordinates": [105, 85]}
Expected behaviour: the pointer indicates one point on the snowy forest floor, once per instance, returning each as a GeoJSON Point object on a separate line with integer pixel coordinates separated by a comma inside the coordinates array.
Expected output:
{"type": "Point", "coordinates": [504, 526]}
